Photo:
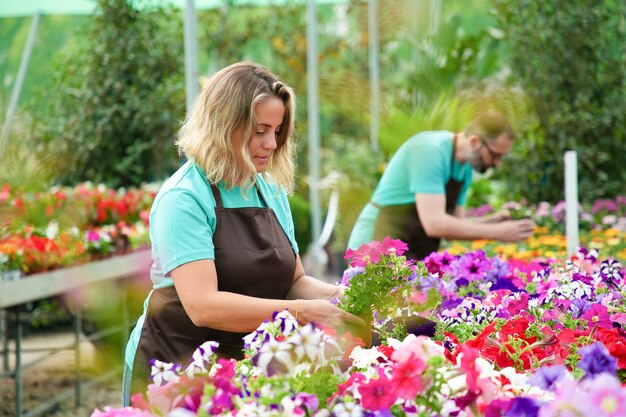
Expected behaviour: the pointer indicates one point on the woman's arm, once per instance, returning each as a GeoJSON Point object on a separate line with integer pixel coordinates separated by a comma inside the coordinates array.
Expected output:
{"type": "Point", "coordinates": [196, 284]}
{"type": "Point", "coordinates": [307, 287]}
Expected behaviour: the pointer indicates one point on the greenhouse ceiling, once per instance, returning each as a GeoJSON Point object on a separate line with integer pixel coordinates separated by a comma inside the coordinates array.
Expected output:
{"type": "Point", "coordinates": [83, 7]}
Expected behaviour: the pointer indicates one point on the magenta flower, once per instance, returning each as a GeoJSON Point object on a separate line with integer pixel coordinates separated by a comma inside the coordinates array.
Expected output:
{"type": "Point", "coordinates": [364, 254]}
{"type": "Point", "coordinates": [92, 236]}
{"type": "Point", "coordinates": [472, 266]}
{"type": "Point", "coordinates": [497, 407]}
{"type": "Point", "coordinates": [604, 204]}
{"type": "Point", "coordinates": [372, 251]}
{"type": "Point", "coordinates": [389, 245]}
{"type": "Point", "coordinates": [598, 315]}
{"type": "Point", "coordinates": [439, 262]}
{"type": "Point", "coordinates": [121, 412]}
{"type": "Point", "coordinates": [377, 394]}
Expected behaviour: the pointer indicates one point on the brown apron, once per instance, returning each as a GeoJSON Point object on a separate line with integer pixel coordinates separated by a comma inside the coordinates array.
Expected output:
{"type": "Point", "coordinates": [402, 221]}
{"type": "Point", "coordinates": [253, 256]}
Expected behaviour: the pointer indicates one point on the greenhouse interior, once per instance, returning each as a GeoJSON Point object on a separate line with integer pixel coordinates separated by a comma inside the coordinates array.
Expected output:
{"type": "Point", "coordinates": [312, 208]}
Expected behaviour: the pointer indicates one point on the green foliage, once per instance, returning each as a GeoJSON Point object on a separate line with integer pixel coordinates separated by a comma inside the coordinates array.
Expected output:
{"type": "Point", "coordinates": [381, 286]}
{"type": "Point", "coordinates": [360, 169]}
{"type": "Point", "coordinates": [301, 214]}
{"type": "Point", "coordinates": [322, 383]}
{"type": "Point", "coordinates": [117, 99]}
{"type": "Point", "coordinates": [571, 59]}
{"type": "Point", "coordinates": [53, 33]}
{"type": "Point", "coordinates": [459, 52]}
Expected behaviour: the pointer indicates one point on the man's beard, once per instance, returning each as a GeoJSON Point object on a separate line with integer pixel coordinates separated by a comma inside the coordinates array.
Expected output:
{"type": "Point", "coordinates": [477, 163]}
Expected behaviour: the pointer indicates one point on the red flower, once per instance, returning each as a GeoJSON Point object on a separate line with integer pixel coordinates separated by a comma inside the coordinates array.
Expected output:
{"type": "Point", "coordinates": [615, 343]}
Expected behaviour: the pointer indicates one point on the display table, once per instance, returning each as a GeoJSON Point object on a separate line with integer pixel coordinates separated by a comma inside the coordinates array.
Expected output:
{"type": "Point", "coordinates": [55, 283]}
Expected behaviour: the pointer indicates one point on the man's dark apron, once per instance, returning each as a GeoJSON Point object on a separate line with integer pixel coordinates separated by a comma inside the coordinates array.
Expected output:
{"type": "Point", "coordinates": [253, 256]}
{"type": "Point", "coordinates": [402, 221]}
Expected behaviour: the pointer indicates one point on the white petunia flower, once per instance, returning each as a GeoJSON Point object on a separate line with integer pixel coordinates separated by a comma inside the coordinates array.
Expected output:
{"type": "Point", "coordinates": [274, 357]}
{"type": "Point", "coordinates": [163, 372]}
{"type": "Point", "coordinates": [308, 342]}
{"type": "Point", "coordinates": [364, 358]}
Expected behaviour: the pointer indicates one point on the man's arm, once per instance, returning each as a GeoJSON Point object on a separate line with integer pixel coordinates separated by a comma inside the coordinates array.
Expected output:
{"type": "Point", "coordinates": [438, 223]}
{"type": "Point", "coordinates": [497, 217]}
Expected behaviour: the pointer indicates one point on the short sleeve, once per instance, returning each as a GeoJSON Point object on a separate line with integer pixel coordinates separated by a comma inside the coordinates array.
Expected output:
{"type": "Point", "coordinates": [428, 169]}
{"type": "Point", "coordinates": [181, 229]}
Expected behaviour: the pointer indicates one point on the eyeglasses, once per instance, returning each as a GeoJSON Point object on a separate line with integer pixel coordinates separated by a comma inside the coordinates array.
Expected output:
{"type": "Point", "coordinates": [494, 155]}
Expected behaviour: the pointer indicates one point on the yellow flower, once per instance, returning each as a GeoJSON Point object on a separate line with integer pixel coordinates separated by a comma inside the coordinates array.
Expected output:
{"type": "Point", "coordinates": [479, 244]}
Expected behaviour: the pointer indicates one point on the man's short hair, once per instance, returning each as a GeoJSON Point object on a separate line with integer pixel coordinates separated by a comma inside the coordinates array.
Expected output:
{"type": "Point", "coordinates": [489, 126]}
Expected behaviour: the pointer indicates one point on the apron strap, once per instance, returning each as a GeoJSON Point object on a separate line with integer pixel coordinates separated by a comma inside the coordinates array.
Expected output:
{"type": "Point", "coordinates": [218, 196]}
{"type": "Point", "coordinates": [452, 155]}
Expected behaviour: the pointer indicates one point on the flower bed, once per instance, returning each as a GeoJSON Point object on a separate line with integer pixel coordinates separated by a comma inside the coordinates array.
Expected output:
{"type": "Point", "coordinates": [513, 338]}
{"type": "Point", "coordinates": [67, 226]}
{"type": "Point", "coordinates": [602, 226]}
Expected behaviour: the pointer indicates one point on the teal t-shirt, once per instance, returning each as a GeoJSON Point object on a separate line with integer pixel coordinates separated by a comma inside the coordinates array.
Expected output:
{"type": "Point", "coordinates": [182, 222]}
{"type": "Point", "coordinates": [420, 165]}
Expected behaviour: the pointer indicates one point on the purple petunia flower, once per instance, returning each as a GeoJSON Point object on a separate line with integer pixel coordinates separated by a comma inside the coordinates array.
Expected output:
{"type": "Point", "coordinates": [504, 284]}
{"type": "Point", "coordinates": [499, 269]}
{"type": "Point", "coordinates": [349, 273]}
{"type": "Point", "coordinates": [430, 281]}
{"type": "Point", "coordinates": [546, 377]}
{"type": "Point", "coordinates": [578, 307]}
{"type": "Point", "coordinates": [472, 266]}
{"type": "Point", "coordinates": [596, 359]}
{"type": "Point", "coordinates": [523, 407]}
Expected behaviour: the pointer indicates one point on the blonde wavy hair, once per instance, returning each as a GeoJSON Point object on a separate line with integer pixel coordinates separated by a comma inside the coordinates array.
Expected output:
{"type": "Point", "coordinates": [225, 106]}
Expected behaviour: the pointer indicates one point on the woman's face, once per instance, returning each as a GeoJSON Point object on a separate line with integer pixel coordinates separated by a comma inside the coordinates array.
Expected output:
{"type": "Point", "coordinates": [269, 115]}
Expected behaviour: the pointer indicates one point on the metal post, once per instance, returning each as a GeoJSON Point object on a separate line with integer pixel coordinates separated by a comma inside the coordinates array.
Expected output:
{"type": "Point", "coordinates": [77, 333]}
{"type": "Point", "coordinates": [374, 71]}
{"type": "Point", "coordinates": [19, 81]}
{"type": "Point", "coordinates": [314, 133]}
{"type": "Point", "coordinates": [435, 17]}
{"type": "Point", "coordinates": [571, 202]}
{"type": "Point", "coordinates": [4, 337]}
{"type": "Point", "coordinates": [191, 54]}
{"type": "Point", "coordinates": [19, 396]}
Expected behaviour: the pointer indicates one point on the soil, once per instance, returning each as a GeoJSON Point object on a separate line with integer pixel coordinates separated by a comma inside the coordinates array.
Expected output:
{"type": "Point", "coordinates": [41, 385]}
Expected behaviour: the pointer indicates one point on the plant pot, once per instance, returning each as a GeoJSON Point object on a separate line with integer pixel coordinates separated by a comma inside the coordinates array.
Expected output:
{"type": "Point", "coordinates": [364, 332]}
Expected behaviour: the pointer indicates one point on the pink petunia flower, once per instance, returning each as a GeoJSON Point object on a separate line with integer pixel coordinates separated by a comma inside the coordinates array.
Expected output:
{"type": "Point", "coordinates": [406, 377]}
{"type": "Point", "coordinates": [598, 315]}
{"type": "Point", "coordinates": [121, 412]}
{"type": "Point", "coordinates": [378, 394]}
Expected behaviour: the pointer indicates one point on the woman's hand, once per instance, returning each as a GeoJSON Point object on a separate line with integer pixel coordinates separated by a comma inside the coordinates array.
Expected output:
{"type": "Point", "coordinates": [339, 291]}
{"type": "Point", "coordinates": [324, 312]}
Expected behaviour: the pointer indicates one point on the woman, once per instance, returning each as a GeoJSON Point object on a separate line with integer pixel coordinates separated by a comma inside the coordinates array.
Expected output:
{"type": "Point", "coordinates": [223, 246]}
